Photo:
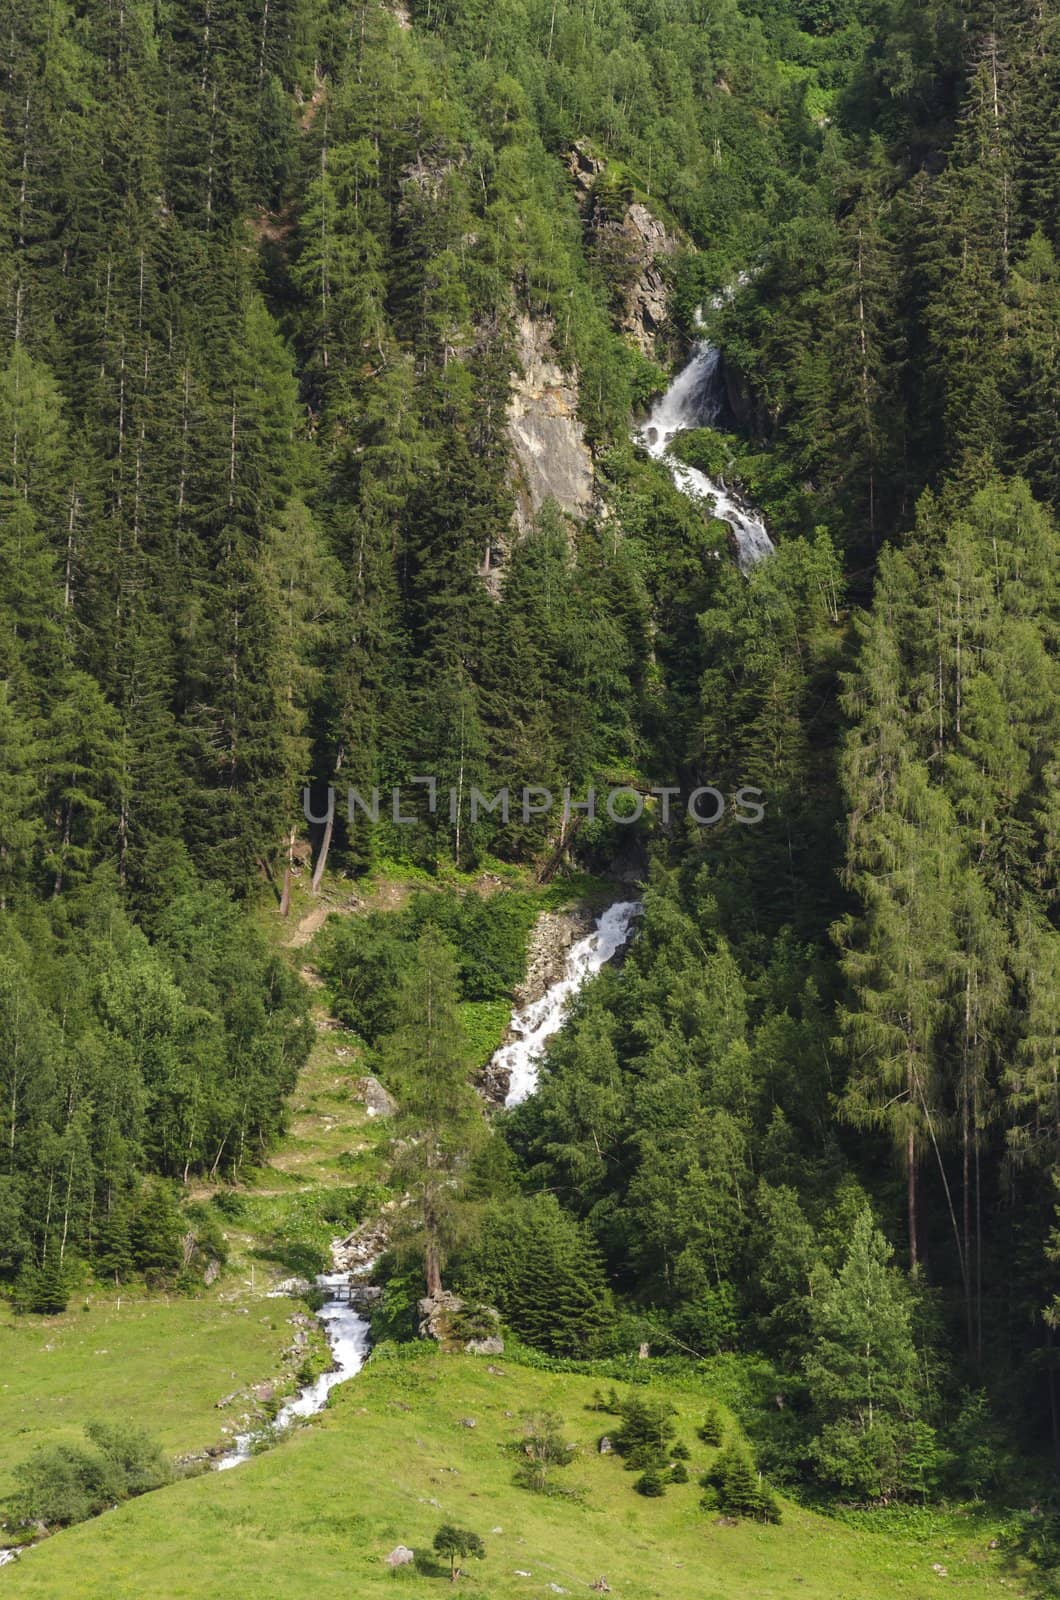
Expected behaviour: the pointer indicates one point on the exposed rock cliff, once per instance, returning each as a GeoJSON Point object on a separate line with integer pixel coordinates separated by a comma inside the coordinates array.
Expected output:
{"type": "Point", "coordinates": [552, 459]}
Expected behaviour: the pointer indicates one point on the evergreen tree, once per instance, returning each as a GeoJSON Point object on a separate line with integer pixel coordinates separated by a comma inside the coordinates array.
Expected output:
{"type": "Point", "coordinates": [426, 1059]}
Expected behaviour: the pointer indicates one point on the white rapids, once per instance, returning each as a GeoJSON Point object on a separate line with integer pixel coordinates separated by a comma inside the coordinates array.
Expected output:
{"type": "Point", "coordinates": [348, 1335]}
{"type": "Point", "coordinates": [694, 400]}
{"type": "Point", "coordinates": [536, 1023]}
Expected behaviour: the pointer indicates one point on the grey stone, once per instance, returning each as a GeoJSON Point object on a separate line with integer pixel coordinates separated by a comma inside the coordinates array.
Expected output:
{"type": "Point", "coordinates": [400, 1556]}
{"type": "Point", "coordinates": [377, 1101]}
{"type": "Point", "coordinates": [493, 1346]}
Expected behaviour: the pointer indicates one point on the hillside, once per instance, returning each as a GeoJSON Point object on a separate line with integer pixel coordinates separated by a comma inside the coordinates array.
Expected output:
{"type": "Point", "coordinates": [393, 1458]}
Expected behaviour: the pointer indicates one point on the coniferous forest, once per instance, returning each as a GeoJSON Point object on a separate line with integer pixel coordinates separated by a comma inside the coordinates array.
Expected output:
{"type": "Point", "coordinates": [269, 271]}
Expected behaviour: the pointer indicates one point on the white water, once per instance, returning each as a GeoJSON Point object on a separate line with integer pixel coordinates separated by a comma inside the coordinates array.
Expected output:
{"type": "Point", "coordinates": [694, 400]}
{"type": "Point", "coordinates": [348, 1335]}
{"type": "Point", "coordinates": [536, 1023]}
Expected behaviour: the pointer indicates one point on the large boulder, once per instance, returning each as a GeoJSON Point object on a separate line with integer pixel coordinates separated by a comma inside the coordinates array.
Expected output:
{"type": "Point", "coordinates": [457, 1324]}
{"type": "Point", "coordinates": [377, 1102]}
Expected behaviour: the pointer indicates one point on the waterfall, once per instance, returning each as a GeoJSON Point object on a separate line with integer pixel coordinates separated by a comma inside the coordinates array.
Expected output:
{"type": "Point", "coordinates": [694, 400]}
{"type": "Point", "coordinates": [537, 1022]}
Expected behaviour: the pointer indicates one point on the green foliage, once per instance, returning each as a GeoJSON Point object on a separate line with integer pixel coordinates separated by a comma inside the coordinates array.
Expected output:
{"type": "Point", "coordinates": [539, 1268]}
{"type": "Point", "coordinates": [65, 1483]}
{"type": "Point", "coordinates": [643, 1440]}
{"type": "Point", "coordinates": [711, 1430]}
{"type": "Point", "coordinates": [543, 1448]}
{"type": "Point", "coordinates": [457, 1544]}
{"type": "Point", "coordinates": [651, 1484]}
{"type": "Point", "coordinates": [732, 1486]}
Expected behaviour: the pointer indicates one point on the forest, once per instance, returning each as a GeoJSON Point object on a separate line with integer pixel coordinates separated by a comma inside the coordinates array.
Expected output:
{"type": "Point", "coordinates": [263, 271]}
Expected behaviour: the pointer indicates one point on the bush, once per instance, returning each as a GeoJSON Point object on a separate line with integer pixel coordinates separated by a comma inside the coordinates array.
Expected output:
{"type": "Point", "coordinates": [650, 1483]}
{"type": "Point", "coordinates": [678, 1472]}
{"type": "Point", "coordinates": [66, 1483]}
{"type": "Point", "coordinates": [542, 1448]}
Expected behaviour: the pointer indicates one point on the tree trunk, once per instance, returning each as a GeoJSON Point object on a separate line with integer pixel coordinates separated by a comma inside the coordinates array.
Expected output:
{"type": "Point", "coordinates": [433, 1269]}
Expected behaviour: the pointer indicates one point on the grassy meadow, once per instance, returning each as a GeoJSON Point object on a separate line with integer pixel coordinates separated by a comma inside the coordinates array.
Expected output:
{"type": "Point", "coordinates": [393, 1457]}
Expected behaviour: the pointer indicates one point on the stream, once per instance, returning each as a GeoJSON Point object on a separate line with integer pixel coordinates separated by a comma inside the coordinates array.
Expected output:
{"type": "Point", "coordinates": [695, 400]}
{"type": "Point", "coordinates": [535, 1024]}
{"type": "Point", "coordinates": [348, 1335]}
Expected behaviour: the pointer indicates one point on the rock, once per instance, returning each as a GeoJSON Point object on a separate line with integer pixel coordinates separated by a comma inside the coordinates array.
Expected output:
{"type": "Point", "coordinates": [212, 1273]}
{"type": "Point", "coordinates": [377, 1101]}
{"type": "Point", "coordinates": [605, 1447]}
{"type": "Point", "coordinates": [646, 301]}
{"type": "Point", "coordinates": [264, 1391]}
{"type": "Point", "coordinates": [726, 1522]}
{"type": "Point", "coordinates": [468, 1422]}
{"type": "Point", "coordinates": [400, 1556]}
{"type": "Point", "coordinates": [493, 1346]}
{"type": "Point", "coordinates": [446, 1318]}
{"type": "Point", "coordinates": [362, 1247]}
{"type": "Point", "coordinates": [583, 167]}
{"type": "Point", "coordinates": [226, 1400]}
{"type": "Point", "coordinates": [552, 459]}
{"type": "Point", "coordinates": [939, 1570]}
{"type": "Point", "coordinates": [601, 1586]}
{"type": "Point", "coordinates": [556, 1589]}
{"type": "Point", "coordinates": [521, 1573]}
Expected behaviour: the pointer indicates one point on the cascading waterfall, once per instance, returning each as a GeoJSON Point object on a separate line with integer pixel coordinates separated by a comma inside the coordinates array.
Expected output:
{"type": "Point", "coordinates": [537, 1022]}
{"type": "Point", "coordinates": [348, 1335]}
{"type": "Point", "coordinates": [694, 400]}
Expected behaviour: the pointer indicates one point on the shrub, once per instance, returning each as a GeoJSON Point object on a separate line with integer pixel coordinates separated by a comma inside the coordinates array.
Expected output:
{"type": "Point", "coordinates": [65, 1483]}
{"type": "Point", "coordinates": [650, 1483]}
{"type": "Point", "coordinates": [543, 1448]}
{"type": "Point", "coordinates": [678, 1472]}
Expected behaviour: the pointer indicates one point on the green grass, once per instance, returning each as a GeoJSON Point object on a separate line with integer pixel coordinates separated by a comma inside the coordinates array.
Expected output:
{"type": "Point", "coordinates": [391, 1460]}
{"type": "Point", "coordinates": [485, 1022]}
{"type": "Point", "coordinates": [163, 1364]}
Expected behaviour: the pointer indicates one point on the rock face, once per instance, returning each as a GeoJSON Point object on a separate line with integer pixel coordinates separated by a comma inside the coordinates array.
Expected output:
{"type": "Point", "coordinates": [553, 934]}
{"type": "Point", "coordinates": [377, 1102]}
{"type": "Point", "coordinates": [552, 459]}
{"type": "Point", "coordinates": [645, 308]}
{"type": "Point", "coordinates": [361, 1247]}
{"type": "Point", "coordinates": [643, 243]}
